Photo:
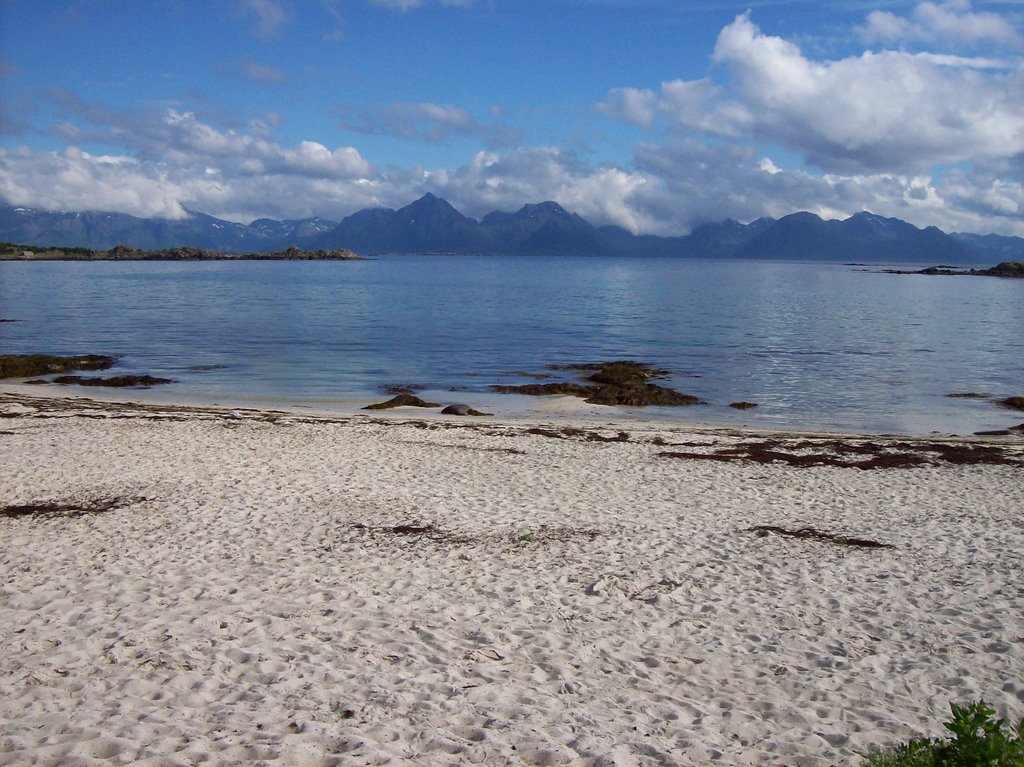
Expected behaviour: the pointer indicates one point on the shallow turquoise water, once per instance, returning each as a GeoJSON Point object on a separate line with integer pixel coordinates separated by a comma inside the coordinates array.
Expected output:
{"type": "Point", "coordinates": [817, 345]}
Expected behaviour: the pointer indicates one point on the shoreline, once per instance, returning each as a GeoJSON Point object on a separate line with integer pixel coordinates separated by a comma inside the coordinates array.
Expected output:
{"type": "Point", "coordinates": [524, 409]}
{"type": "Point", "coordinates": [295, 588]}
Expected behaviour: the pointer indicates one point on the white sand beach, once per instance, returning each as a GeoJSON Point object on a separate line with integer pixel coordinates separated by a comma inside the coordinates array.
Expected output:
{"type": "Point", "coordinates": [411, 589]}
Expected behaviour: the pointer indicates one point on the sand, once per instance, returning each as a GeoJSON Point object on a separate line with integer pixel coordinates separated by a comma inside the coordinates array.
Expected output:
{"type": "Point", "coordinates": [287, 589]}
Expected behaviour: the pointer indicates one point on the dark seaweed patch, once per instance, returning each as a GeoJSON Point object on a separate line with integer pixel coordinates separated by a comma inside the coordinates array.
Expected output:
{"type": "Point", "coordinates": [571, 432]}
{"type": "Point", "coordinates": [70, 509]}
{"type": "Point", "coordinates": [873, 455]}
{"type": "Point", "coordinates": [818, 535]}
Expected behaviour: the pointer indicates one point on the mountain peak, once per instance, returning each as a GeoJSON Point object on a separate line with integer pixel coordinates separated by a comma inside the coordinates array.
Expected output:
{"type": "Point", "coordinates": [432, 204]}
{"type": "Point", "coordinates": [547, 209]}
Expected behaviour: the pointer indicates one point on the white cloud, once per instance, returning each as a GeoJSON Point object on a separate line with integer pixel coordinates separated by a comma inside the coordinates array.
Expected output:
{"type": "Point", "coordinates": [690, 183]}
{"type": "Point", "coordinates": [952, 21]}
{"type": "Point", "coordinates": [505, 182]}
{"type": "Point", "coordinates": [966, 62]}
{"type": "Point", "coordinates": [675, 187]}
{"type": "Point", "coordinates": [76, 180]}
{"type": "Point", "coordinates": [698, 104]}
{"type": "Point", "coordinates": [877, 131]}
{"type": "Point", "coordinates": [261, 74]}
{"type": "Point", "coordinates": [878, 111]}
{"type": "Point", "coordinates": [270, 16]}
{"type": "Point", "coordinates": [638, 106]}
{"type": "Point", "coordinates": [181, 161]}
{"type": "Point", "coordinates": [180, 138]}
{"type": "Point", "coordinates": [431, 123]}
{"type": "Point", "coordinates": [408, 5]}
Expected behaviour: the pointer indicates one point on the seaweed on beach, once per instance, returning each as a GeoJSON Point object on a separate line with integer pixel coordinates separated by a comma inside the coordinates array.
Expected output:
{"type": "Point", "coordinates": [769, 452]}
{"type": "Point", "coordinates": [864, 455]}
{"type": "Point", "coordinates": [473, 448]}
{"type": "Point", "coordinates": [571, 432]}
{"type": "Point", "coordinates": [817, 535]}
{"type": "Point", "coordinates": [432, 534]}
{"type": "Point", "coordinates": [413, 530]}
{"type": "Point", "coordinates": [70, 509]}
{"type": "Point", "coordinates": [413, 534]}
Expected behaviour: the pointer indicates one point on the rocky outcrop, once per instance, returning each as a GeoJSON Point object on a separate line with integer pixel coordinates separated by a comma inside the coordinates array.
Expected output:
{"type": "Point", "coordinates": [402, 400]}
{"type": "Point", "coordinates": [1007, 269]}
{"type": "Point", "coordinates": [29, 365]}
{"type": "Point", "coordinates": [126, 253]}
{"type": "Point", "coordinates": [1004, 269]}
{"type": "Point", "coordinates": [624, 382]}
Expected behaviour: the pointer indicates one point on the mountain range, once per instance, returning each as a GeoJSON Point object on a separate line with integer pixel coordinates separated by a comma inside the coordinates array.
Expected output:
{"type": "Point", "coordinates": [432, 225]}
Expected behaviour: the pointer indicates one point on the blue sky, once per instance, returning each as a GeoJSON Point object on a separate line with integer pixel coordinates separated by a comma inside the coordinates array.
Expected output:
{"type": "Point", "coordinates": [654, 115]}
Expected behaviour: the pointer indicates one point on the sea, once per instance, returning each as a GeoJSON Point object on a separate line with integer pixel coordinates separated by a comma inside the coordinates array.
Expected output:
{"type": "Point", "coordinates": [817, 346]}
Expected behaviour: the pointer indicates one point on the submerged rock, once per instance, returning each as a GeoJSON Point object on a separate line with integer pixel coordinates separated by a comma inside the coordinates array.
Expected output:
{"type": "Point", "coordinates": [118, 381]}
{"type": "Point", "coordinates": [624, 382]}
{"type": "Point", "coordinates": [1014, 403]}
{"type": "Point", "coordinates": [27, 365]}
{"type": "Point", "coordinates": [540, 390]}
{"type": "Point", "coordinates": [402, 400]}
{"type": "Point", "coordinates": [742, 405]}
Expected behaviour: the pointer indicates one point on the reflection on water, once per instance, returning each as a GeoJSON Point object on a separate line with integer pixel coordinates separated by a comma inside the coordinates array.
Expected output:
{"type": "Point", "coordinates": [817, 345]}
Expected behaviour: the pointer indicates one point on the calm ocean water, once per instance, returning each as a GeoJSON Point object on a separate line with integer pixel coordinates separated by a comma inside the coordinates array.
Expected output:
{"type": "Point", "coordinates": [816, 345]}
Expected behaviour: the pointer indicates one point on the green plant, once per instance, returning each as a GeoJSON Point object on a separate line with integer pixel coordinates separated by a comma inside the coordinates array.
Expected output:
{"type": "Point", "coordinates": [979, 740]}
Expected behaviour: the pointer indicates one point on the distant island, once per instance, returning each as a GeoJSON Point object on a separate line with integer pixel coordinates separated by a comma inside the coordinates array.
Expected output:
{"type": "Point", "coordinates": [11, 252]}
{"type": "Point", "coordinates": [1013, 269]}
{"type": "Point", "coordinates": [432, 225]}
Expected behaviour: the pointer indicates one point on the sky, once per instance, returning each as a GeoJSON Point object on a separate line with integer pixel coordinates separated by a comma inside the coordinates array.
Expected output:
{"type": "Point", "coordinates": [653, 115]}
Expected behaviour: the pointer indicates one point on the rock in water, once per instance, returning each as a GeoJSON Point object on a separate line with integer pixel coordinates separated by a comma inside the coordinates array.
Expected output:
{"type": "Point", "coordinates": [121, 381]}
{"type": "Point", "coordinates": [28, 365]}
{"type": "Point", "coordinates": [624, 382]}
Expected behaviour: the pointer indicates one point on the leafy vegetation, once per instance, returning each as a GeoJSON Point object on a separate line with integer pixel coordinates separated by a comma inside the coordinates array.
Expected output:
{"type": "Point", "coordinates": [978, 740]}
